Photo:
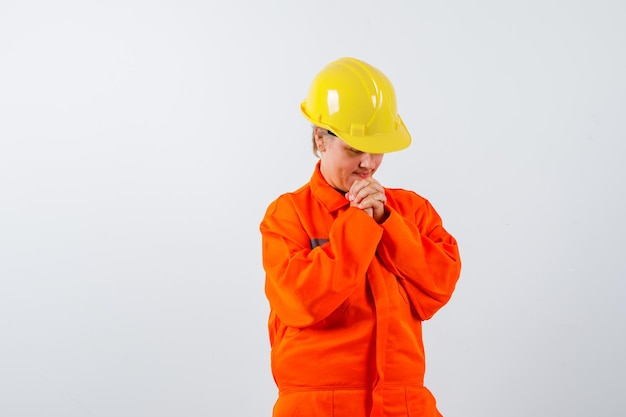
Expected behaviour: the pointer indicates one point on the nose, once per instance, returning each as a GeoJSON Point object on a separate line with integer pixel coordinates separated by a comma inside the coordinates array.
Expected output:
{"type": "Point", "coordinates": [368, 161]}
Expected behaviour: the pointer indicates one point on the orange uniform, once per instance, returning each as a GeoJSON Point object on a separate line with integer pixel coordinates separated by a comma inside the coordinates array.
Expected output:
{"type": "Point", "coordinates": [347, 297]}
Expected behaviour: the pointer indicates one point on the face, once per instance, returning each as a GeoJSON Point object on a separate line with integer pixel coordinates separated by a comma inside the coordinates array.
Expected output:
{"type": "Point", "coordinates": [341, 164]}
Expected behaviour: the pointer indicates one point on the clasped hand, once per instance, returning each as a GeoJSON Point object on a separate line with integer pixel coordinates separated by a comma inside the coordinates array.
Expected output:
{"type": "Point", "coordinates": [369, 196]}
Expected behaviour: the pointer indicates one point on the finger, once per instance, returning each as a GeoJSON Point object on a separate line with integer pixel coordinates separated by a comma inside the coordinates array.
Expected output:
{"type": "Point", "coordinates": [377, 200]}
{"type": "Point", "coordinates": [362, 188]}
{"type": "Point", "coordinates": [375, 192]}
{"type": "Point", "coordinates": [355, 188]}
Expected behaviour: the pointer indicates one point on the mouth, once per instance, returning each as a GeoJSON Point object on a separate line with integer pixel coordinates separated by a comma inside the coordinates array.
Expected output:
{"type": "Point", "coordinates": [363, 174]}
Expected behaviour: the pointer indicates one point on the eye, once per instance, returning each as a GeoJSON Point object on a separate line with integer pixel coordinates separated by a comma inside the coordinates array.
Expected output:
{"type": "Point", "coordinates": [355, 151]}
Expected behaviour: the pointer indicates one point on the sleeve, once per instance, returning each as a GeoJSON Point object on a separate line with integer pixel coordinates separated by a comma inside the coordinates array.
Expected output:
{"type": "Point", "coordinates": [422, 255]}
{"type": "Point", "coordinates": [305, 285]}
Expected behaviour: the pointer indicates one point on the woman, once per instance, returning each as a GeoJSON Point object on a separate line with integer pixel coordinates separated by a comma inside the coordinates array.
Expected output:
{"type": "Point", "coordinates": [353, 268]}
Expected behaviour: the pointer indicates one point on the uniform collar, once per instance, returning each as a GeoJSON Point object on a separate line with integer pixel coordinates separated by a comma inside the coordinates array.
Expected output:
{"type": "Point", "coordinates": [329, 197]}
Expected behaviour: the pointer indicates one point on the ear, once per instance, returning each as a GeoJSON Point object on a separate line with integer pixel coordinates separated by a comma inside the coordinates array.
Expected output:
{"type": "Point", "coordinates": [320, 140]}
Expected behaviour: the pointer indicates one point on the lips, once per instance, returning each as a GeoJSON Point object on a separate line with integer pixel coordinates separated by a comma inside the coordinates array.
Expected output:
{"type": "Point", "coordinates": [364, 174]}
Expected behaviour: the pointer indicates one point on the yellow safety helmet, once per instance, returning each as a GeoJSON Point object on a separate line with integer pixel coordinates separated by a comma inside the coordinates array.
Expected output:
{"type": "Point", "coordinates": [357, 103]}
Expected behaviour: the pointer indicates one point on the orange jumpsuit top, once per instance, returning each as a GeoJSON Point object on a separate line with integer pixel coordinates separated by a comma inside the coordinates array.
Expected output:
{"type": "Point", "coordinates": [347, 297]}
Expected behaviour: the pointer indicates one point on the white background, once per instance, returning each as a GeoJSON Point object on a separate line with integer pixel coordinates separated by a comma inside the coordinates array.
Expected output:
{"type": "Point", "coordinates": [141, 141]}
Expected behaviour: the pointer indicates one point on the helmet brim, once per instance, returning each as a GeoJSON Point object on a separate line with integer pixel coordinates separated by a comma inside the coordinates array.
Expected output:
{"type": "Point", "coordinates": [394, 141]}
